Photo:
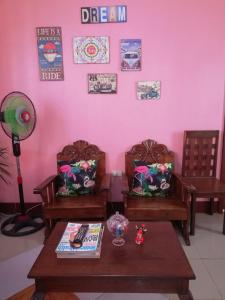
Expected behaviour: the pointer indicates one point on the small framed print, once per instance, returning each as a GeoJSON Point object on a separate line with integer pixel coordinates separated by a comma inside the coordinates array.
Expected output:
{"type": "Point", "coordinates": [130, 52]}
{"type": "Point", "coordinates": [148, 90]}
{"type": "Point", "coordinates": [49, 42]}
{"type": "Point", "coordinates": [91, 50]}
{"type": "Point", "coordinates": [102, 83]}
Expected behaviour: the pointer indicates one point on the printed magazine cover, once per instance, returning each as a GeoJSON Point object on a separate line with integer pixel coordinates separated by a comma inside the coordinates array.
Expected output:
{"type": "Point", "coordinates": [91, 241]}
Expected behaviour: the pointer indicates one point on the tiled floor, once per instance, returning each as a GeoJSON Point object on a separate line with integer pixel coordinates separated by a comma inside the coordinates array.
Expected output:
{"type": "Point", "coordinates": [206, 255]}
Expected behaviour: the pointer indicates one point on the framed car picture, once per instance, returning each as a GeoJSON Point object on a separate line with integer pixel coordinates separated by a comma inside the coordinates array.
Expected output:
{"type": "Point", "coordinates": [130, 54]}
{"type": "Point", "coordinates": [102, 83]}
{"type": "Point", "coordinates": [148, 90]}
{"type": "Point", "coordinates": [91, 50]}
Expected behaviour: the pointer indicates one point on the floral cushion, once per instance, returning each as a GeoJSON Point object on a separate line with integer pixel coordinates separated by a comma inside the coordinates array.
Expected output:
{"type": "Point", "coordinates": [76, 177]}
{"type": "Point", "coordinates": [151, 179]}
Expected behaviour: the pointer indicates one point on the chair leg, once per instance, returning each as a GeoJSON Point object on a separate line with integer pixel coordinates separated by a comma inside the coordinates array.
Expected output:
{"type": "Point", "coordinates": [211, 206]}
{"type": "Point", "coordinates": [223, 221]}
{"type": "Point", "coordinates": [185, 229]}
{"type": "Point", "coordinates": [221, 204]}
{"type": "Point", "coordinates": [192, 217]}
{"type": "Point", "coordinates": [47, 228]}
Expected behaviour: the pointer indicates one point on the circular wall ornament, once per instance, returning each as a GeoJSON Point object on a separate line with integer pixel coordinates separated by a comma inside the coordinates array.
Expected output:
{"type": "Point", "coordinates": [91, 50]}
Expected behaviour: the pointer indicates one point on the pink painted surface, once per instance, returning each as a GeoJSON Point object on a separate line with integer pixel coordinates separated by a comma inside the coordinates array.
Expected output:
{"type": "Point", "coordinates": [183, 44]}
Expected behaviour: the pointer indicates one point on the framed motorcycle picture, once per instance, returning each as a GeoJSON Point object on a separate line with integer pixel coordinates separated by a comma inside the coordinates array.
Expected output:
{"type": "Point", "coordinates": [102, 83]}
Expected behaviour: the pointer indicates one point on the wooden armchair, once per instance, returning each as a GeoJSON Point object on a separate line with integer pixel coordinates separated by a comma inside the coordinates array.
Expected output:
{"type": "Point", "coordinates": [78, 207]}
{"type": "Point", "coordinates": [173, 206]}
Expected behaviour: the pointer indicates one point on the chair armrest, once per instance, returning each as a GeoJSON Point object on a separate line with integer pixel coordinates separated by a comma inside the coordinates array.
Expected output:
{"type": "Point", "coordinates": [47, 190]}
{"type": "Point", "coordinates": [39, 189]}
{"type": "Point", "coordinates": [125, 185]}
{"type": "Point", "coordinates": [189, 187]}
{"type": "Point", "coordinates": [105, 184]}
{"type": "Point", "coordinates": [182, 189]}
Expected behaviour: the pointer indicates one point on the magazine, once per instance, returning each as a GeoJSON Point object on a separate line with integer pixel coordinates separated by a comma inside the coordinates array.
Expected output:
{"type": "Point", "coordinates": [91, 245]}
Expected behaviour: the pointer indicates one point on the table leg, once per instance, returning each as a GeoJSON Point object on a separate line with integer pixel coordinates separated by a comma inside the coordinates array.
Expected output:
{"type": "Point", "coordinates": [223, 221]}
{"type": "Point", "coordinates": [193, 210]}
{"type": "Point", "coordinates": [187, 296]}
{"type": "Point", "coordinates": [38, 295]}
{"type": "Point", "coordinates": [211, 206]}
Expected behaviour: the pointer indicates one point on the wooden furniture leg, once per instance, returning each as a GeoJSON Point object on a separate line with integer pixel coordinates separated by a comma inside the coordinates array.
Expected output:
{"type": "Point", "coordinates": [186, 297]}
{"type": "Point", "coordinates": [193, 211]}
{"type": "Point", "coordinates": [38, 296]}
{"type": "Point", "coordinates": [211, 206]}
{"type": "Point", "coordinates": [223, 221]}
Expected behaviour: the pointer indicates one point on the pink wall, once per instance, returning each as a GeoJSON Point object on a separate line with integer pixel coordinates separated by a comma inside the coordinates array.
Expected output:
{"type": "Point", "coordinates": [183, 46]}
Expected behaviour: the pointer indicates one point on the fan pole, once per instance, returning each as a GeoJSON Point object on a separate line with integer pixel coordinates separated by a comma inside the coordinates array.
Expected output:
{"type": "Point", "coordinates": [20, 186]}
{"type": "Point", "coordinates": [16, 152]}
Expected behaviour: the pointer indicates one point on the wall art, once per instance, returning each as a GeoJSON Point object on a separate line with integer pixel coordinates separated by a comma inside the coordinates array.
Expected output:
{"type": "Point", "coordinates": [130, 51]}
{"type": "Point", "coordinates": [148, 90]}
{"type": "Point", "coordinates": [104, 14]}
{"type": "Point", "coordinates": [49, 42]}
{"type": "Point", "coordinates": [102, 83]}
{"type": "Point", "coordinates": [91, 50]}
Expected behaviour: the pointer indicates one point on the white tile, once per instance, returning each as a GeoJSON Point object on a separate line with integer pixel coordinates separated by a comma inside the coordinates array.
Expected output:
{"type": "Point", "coordinates": [216, 269]}
{"type": "Point", "coordinates": [16, 245]}
{"type": "Point", "coordinates": [172, 297]}
{"type": "Point", "coordinates": [209, 244]}
{"type": "Point", "coordinates": [208, 241]}
{"type": "Point", "coordinates": [212, 223]}
{"type": "Point", "coordinates": [88, 296]}
{"type": "Point", "coordinates": [13, 272]}
{"type": "Point", "coordinates": [191, 251]}
{"type": "Point", "coordinates": [133, 296]}
{"type": "Point", "coordinates": [203, 287]}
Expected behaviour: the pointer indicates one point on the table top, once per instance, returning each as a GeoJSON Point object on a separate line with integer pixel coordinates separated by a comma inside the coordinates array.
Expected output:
{"type": "Point", "coordinates": [161, 256]}
{"type": "Point", "coordinates": [206, 185]}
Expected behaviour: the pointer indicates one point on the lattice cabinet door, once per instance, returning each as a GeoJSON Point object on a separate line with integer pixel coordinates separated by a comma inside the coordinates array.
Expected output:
{"type": "Point", "coordinates": [200, 153]}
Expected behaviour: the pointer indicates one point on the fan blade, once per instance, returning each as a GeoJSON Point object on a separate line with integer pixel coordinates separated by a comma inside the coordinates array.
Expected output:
{"type": "Point", "coordinates": [18, 115]}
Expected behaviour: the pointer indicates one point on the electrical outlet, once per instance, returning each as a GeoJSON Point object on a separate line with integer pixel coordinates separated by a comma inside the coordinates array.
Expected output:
{"type": "Point", "coordinates": [117, 173]}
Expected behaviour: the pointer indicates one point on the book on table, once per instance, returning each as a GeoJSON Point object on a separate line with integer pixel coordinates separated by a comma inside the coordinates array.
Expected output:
{"type": "Point", "coordinates": [91, 247]}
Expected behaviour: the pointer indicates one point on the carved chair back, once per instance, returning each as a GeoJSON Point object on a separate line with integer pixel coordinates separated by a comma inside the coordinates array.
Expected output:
{"type": "Point", "coordinates": [200, 153]}
{"type": "Point", "coordinates": [82, 150]}
{"type": "Point", "coordinates": [148, 151]}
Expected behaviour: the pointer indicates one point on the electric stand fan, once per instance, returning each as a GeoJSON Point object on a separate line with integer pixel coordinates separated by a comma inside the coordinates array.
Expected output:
{"type": "Point", "coordinates": [18, 119]}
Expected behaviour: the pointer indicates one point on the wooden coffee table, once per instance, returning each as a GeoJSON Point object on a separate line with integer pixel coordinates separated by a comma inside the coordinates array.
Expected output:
{"type": "Point", "coordinates": [158, 266]}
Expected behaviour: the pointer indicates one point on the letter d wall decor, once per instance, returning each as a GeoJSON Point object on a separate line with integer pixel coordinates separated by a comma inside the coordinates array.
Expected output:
{"type": "Point", "coordinates": [104, 14]}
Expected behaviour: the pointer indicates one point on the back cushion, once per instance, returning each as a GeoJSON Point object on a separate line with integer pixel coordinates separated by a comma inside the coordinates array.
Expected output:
{"type": "Point", "coordinates": [76, 177]}
{"type": "Point", "coordinates": [151, 179]}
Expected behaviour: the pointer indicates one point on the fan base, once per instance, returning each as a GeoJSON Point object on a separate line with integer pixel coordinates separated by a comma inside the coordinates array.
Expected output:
{"type": "Point", "coordinates": [22, 224]}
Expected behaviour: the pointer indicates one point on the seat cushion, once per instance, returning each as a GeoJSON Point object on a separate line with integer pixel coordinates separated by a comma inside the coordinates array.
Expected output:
{"type": "Point", "coordinates": [79, 207]}
{"type": "Point", "coordinates": [141, 208]}
{"type": "Point", "coordinates": [151, 179]}
{"type": "Point", "coordinates": [76, 177]}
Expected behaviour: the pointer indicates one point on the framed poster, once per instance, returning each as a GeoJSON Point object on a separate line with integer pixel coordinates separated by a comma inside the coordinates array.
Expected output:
{"type": "Point", "coordinates": [148, 90]}
{"type": "Point", "coordinates": [130, 53]}
{"type": "Point", "coordinates": [102, 83]}
{"type": "Point", "coordinates": [49, 42]}
{"type": "Point", "coordinates": [91, 50]}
